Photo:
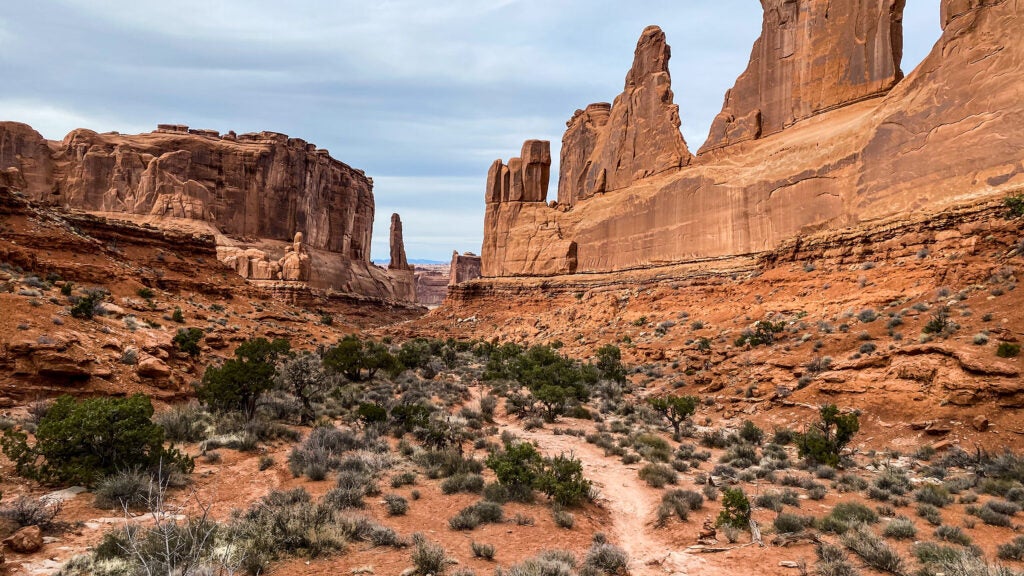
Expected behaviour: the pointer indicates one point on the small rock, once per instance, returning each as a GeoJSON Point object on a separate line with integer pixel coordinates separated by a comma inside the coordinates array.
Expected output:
{"type": "Point", "coordinates": [27, 540]}
{"type": "Point", "coordinates": [980, 423]}
{"type": "Point", "coordinates": [788, 564]}
{"type": "Point", "coordinates": [64, 495]}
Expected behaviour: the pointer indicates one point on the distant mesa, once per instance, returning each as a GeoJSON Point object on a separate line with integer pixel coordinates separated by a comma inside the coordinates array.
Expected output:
{"type": "Point", "coordinates": [821, 131]}
{"type": "Point", "coordinates": [281, 209]}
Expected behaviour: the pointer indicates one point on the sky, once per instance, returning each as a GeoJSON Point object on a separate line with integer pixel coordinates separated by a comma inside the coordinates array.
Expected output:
{"type": "Point", "coordinates": [422, 95]}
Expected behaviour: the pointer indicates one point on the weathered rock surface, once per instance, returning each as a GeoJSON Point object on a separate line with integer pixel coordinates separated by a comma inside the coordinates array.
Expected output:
{"type": "Point", "coordinates": [25, 541]}
{"type": "Point", "coordinates": [431, 284]}
{"type": "Point", "coordinates": [608, 148]}
{"type": "Point", "coordinates": [949, 132]}
{"type": "Point", "coordinates": [812, 56]}
{"type": "Point", "coordinates": [399, 268]}
{"type": "Point", "coordinates": [281, 208]}
{"type": "Point", "coordinates": [464, 267]}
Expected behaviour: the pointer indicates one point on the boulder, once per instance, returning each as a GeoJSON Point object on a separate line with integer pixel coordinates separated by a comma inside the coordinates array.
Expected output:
{"type": "Point", "coordinates": [151, 367]}
{"type": "Point", "coordinates": [25, 541]}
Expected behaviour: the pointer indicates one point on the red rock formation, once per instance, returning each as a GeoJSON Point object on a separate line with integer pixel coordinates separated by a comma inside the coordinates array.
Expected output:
{"type": "Point", "coordinates": [607, 149]}
{"type": "Point", "coordinates": [951, 131]}
{"type": "Point", "coordinates": [812, 56]}
{"type": "Point", "coordinates": [399, 268]}
{"type": "Point", "coordinates": [431, 284]}
{"type": "Point", "coordinates": [398, 259]}
{"type": "Point", "coordinates": [464, 267]}
{"type": "Point", "coordinates": [256, 191]}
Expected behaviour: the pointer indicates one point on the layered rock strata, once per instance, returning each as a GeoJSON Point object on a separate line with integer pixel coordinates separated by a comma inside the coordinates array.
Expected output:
{"type": "Point", "coordinates": [608, 147]}
{"type": "Point", "coordinates": [281, 208]}
{"type": "Point", "coordinates": [464, 267]}
{"type": "Point", "coordinates": [853, 144]}
{"type": "Point", "coordinates": [812, 57]}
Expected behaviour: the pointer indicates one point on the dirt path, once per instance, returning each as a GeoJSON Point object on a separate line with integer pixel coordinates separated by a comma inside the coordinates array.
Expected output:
{"type": "Point", "coordinates": [630, 502]}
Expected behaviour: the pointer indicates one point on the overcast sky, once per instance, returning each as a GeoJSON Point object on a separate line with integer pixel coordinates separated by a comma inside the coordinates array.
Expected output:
{"type": "Point", "coordinates": [422, 95]}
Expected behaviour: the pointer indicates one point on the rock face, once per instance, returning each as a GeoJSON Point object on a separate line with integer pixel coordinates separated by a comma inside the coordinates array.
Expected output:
{"type": "Point", "coordinates": [812, 56]}
{"type": "Point", "coordinates": [464, 267]}
{"type": "Point", "coordinates": [431, 284]}
{"type": "Point", "coordinates": [827, 154]}
{"type": "Point", "coordinates": [282, 209]}
{"type": "Point", "coordinates": [399, 268]}
{"type": "Point", "coordinates": [608, 147]}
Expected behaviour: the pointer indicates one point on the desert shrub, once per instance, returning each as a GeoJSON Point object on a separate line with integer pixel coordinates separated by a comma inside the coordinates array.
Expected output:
{"type": "Point", "coordinates": [894, 481]}
{"type": "Point", "coordinates": [547, 563]}
{"type": "Point", "coordinates": [240, 382]}
{"type": "Point", "coordinates": [833, 561]}
{"type": "Point", "coordinates": [735, 508]}
{"type": "Point", "coordinates": [873, 550]}
{"type": "Point", "coordinates": [900, 529]}
{"type": "Point", "coordinates": [126, 490]}
{"type": "Point", "coordinates": [954, 561]}
{"type": "Point", "coordinates": [186, 340]}
{"type": "Point", "coordinates": [763, 332]}
{"type": "Point", "coordinates": [1007, 350]}
{"type": "Point", "coordinates": [1013, 550]}
{"type": "Point", "coordinates": [517, 467]}
{"type": "Point", "coordinates": [929, 513]}
{"type": "Point", "coordinates": [658, 475]}
{"type": "Point", "coordinates": [609, 363]}
{"type": "Point", "coordinates": [933, 494]}
{"type": "Point", "coordinates": [823, 443]}
{"type": "Point", "coordinates": [1014, 205]}
{"type": "Point", "coordinates": [396, 505]}
{"type": "Point", "coordinates": [177, 316]}
{"type": "Point", "coordinates": [82, 441]}
{"type": "Point", "coordinates": [561, 479]}
{"type": "Point", "coordinates": [653, 447]}
{"type": "Point", "coordinates": [185, 423]}
{"type": "Point", "coordinates": [867, 316]}
{"type": "Point", "coordinates": [482, 512]}
{"type": "Point", "coordinates": [487, 406]}
{"type": "Point", "coordinates": [940, 323]}
{"type": "Point", "coordinates": [605, 559]}
{"type": "Point", "coordinates": [751, 433]}
{"type": "Point", "coordinates": [788, 523]}
{"type": "Point", "coordinates": [351, 356]}
{"type": "Point", "coordinates": [1003, 507]}
{"type": "Point", "coordinates": [26, 511]}
{"type": "Point", "coordinates": [469, 483]}
{"type": "Point", "coordinates": [349, 491]}
{"type": "Point", "coordinates": [853, 513]}
{"type": "Point", "coordinates": [563, 518]}
{"type": "Point", "coordinates": [952, 534]}
{"type": "Point", "coordinates": [678, 503]}
{"type": "Point", "coordinates": [87, 305]}
{"type": "Point", "coordinates": [485, 551]}
{"type": "Point", "coordinates": [428, 557]}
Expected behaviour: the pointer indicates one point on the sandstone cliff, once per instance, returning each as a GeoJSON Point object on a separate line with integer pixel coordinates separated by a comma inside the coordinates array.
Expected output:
{"type": "Point", "coordinates": [610, 147]}
{"type": "Point", "coordinates": [464, 267]}
{"type": "Point", "coordinates": [282, 209]}
{"type": "Point", "coordinates": [848, 143]}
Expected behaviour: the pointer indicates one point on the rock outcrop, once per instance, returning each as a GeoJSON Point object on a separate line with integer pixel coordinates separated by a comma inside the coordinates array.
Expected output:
{"type": "Point", "coordinates": [464, 267]}
{"type": "Point", "coordinates": [399, 268]}
{"type": "Point", "coordinates": [812, 56]}
{"type": "Point", "coordinates": [431, 284]}
{"type": "Point", "coordinates": [843, 140]}
{"type": "Point", "coordinates": [281, 208]}
{"type": "Point", "coordinates": [608, 147]}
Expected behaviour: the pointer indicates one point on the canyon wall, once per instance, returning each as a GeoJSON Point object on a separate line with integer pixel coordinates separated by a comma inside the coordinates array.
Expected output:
{"type": "Point", "coordinates": [821, 131]}
{"type": "Point", "coordinates": [281, 208]}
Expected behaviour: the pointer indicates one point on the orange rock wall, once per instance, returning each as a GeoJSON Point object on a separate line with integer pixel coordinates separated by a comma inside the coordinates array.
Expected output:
{"type": "Point", "coordinates": [951, 131]}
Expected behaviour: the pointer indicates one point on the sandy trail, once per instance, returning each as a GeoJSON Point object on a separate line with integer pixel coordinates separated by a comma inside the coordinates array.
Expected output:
{"type": "Point", "coordinates": [630, 502]}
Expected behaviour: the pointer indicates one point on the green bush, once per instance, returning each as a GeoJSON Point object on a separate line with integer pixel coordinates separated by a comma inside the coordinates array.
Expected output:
{"type": "Point", "coordinates": [900, 529]}
{"type": "Point", "coordinates": [823, 443]}
{"type": "Point", "coordinates": [675, 409]}
{"type": "Point", "coordinates": [735, 509]}
{"type": "Point", "coordinates": [428, 557]}
{"type": "Point", "coordinates": [240, 382]}
{"type": "Point", "coordinates": [1008, 350]}
{"type": "Point", "coordinates": [609, 363]}
{"type": "Point", "coordinates": [85, 306]}
{"type": "Point", "coordinates": [764, 332]}
{"type": "Point", "coordinates": [187, 340]}
{"type": "Point", "coordinates": [177, 316]}
{"type": "Point", "coordinates": [517, 467]}
{"type": "Point", "coordinates": [561, 479]}
{"type": "Point", "coordinates": [351, 356]}
{"type": "Point", "coordinates": [1015, 205]}
{"type": "Point", "coordinates": [79, 442]}
{"type": "Point", "coordinates": [658, 475]}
